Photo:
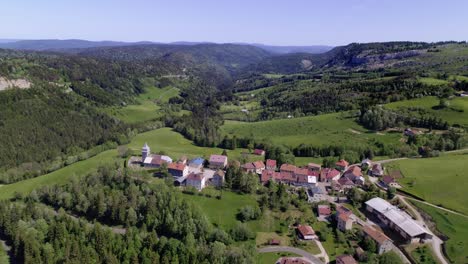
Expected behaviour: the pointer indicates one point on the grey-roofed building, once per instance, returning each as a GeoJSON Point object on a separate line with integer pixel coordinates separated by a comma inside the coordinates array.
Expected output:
{"type": "Point", "coordinates": [398, 220]}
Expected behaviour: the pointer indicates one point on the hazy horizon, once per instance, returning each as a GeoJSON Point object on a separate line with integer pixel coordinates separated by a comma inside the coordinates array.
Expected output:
{"type": "Point", "coordinates": [295, 23]}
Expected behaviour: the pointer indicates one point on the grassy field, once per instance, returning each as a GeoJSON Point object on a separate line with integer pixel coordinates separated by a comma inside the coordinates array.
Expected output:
{"type": "Point", "coordinates": [422, 254]}
{"type": "Point", "coordinates": [222, 212]}
{"type": "Point", "coordinates": [147, 107]}
{"type": "Point", "coordinates": [60, 176]}
{"type": "Point", "coordinates": [432, 81]}
{"type": "Point", "coordinates": [3, 256]}
{"type": "Point", "coordinates": [175, 145]}
{"type": "Point", "coordinates": [454, 227]}
{"type": "Point", "coordinates": [438, 180]}
{"type": "Point", "coordinates": [270, 258]}
{"type": "Point", "coordinates": [326, 129]}
{"type": "Point", "coordinates": [456, 113]}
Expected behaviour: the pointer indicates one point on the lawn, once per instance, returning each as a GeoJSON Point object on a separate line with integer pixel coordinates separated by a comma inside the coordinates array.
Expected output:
{"type": "Point", "coordinates": [60, 176]}
{"type": "Point", "coordinates": [455, 113]}
{"type": "Point", "coordinates": [422, 254]}
{"type": "Point", "coordinates": [175, 145]}
{"type": "Point", "coordinates": [336, 128]}
{"type": "Point", "coordinates": [438, 180]}
{"type": "Point", "coordinates": [454, 227]}
{"type": "Point", "coordinates": [272, 257]}
{"type": "Point", "coordinates": [147, 105]}
{"type": "Point", "coordinates": [222, 212]}
{"type": "Point", "coordinates": [331, 245]}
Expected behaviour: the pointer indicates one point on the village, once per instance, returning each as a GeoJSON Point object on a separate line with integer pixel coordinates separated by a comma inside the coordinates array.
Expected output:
{"type": "Point", "coordinates": [388, 226]}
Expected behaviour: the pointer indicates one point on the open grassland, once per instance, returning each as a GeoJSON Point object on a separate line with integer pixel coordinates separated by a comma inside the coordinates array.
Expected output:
{"type": "Point", "coordinates": [422, 254]}
{"type": "Point", "coordinates": [147, 107]}
{"type": "Point", "coordinates": [336, 128]}
{"type": "Point", "coordinates": [455, 113]}
{"type": "Point", "coordinates": [454, 227]}
{"type": "Point", "coordinates": [175, 145]}
{"type": "Point", "coordinates": [432, 81]}
{"type": "Point", "coordinates": [60, 176]}
{"type": "Point", "coordinates": [441, 181]}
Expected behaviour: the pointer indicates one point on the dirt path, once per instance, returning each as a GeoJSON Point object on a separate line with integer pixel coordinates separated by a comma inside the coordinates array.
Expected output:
{"type": "Point", "coordinates": [323, 253]}
{"type": "Point", "coordinates": [297, 251]}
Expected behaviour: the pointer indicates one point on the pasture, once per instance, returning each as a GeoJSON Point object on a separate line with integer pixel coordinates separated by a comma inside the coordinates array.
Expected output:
{"type": "Point", "coordinates": [439, 180]}
{"type": "Point", "coordinates": [454, 227]}
{"type": "Point", "coordinates": [455, 113]}
{"type": "Point", "coordinates": [321, 130]}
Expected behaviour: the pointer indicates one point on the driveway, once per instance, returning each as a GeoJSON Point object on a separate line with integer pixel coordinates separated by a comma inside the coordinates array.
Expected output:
{"type": "Point", "coordinates": [297, 251]}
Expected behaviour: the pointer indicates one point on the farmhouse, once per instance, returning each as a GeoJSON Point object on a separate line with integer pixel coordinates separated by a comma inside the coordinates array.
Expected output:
{"type": "Point", "coordinates": [306, 232]}
{"type": "Point", "coordinates": [397, 220]}
{"type": "Point", "coordinates": [254, 167]}
{"type": "Point", "coordinates": [196, 180]}
{"type": "Point", "coordinates": [271, 164]}
{"type": "Point", "coordinates": [329, 175]}
{"type": "Point", "coordinates": [287, 168]}
{"type": "Point", "coordinates": [218, 178]}
{"type": "Point", "coordinates": [345, 259]}
{"type": "Point", "coordinates": [292, 260]}
{"type": "Point", "coordinates": [218, 161]}
{"type": "Point", "coordinates": [342, 165]}
{"type": "Point", "coordinates": [377, 170]}
{"type": "Point", "coordinates": [323, 210]}
{"type": "Point", "coordinates": [270, 175]}
{"type": "Point", "coordinates": [196, 163]}
{"type": "Point", "coordinates": [259, 152]}
{"type": "Point", "coordinates": [343, 218]}
{"type": "Point", "coordinates": [384, 244]}
{"type": "Point", "coordinates": [156, 161]}
{"type": "Point", "coordinates": [177, 169]}
{"type": "Point", "coordinates": [388, 181]}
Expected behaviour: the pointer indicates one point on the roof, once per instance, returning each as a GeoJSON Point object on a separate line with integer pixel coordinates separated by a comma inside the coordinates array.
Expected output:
{"type": "Point", "coordinates": [377, 166]}
{"type": "Point", "coordinates": [197, 161]}
{"type": "Point", "coordinates": [195, 176]}
{"type": "Point", "coordinates": [388, 179]}
{"type": "Point", "coordinates": [218, 158]}
{"type": "Point", "coordinates": [313, 173]}
{"type": "Point", "coordinates": [300, 171]}
{"type": "Point", "coordinates": [328, 173]}
{"type": "Point", "coordinates": [271, 163]}
{"type": "Point", "coordinates": [267, 175]}
{"type": "Point", "coordinates": [314, 165]}
{"type": "Point", "coordinates": [324, 209]}
{"type": "Point", "coordinates": [344, 217]}
{"type": "Point", "coordinates": [288, 167]}
{"type": "Point", "coordinates": [292, 260]}
{"type": "Point", "coordinates": [345, 181]}
{"type": "Point", "coordinates": [355, 171]}
{"type": "Point", "coordinates": [259, 151]}
{"type": "Point", "coordinates": [249, 166]}
{"type": "Point", "coordinates": [346, 259]}
{"type": "Point", "coordinates": [397, 217]}
{"type": "Point", "coordinates": [305, 230]}
{"type": "Point", "coordinates": [176, 166]}
{"type": "Point", "coordinates": [287, 176]}
{"type": "Point", "coordinates": [341, 210]}
{"type": "Point", "coordinates": [342, 163]}
{"type": "Point", "coordinates": [259, 164]}
{"type": "Point", "coordinates": [220, 173]}
{"type": "Point", "coordinates": [376, 235]}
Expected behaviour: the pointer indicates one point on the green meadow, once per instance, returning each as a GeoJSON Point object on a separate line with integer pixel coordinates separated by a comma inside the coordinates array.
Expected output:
{"type": "Point", "coordinates": [320, 130]}
{"type": "Point", "coordinates": [454, 227]}
{"type": "Point", "coordinates": [147, 107]}
{"type": "Point", "coordinates": [455, 113]}
{"type": "Point", "coordinates": [441, 180]}
{"type": "Point", "coordinates": [272, 257]}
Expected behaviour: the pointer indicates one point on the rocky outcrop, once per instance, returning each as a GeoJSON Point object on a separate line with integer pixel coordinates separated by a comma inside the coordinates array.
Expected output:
{"type": "Point", "coordinates": [16, 83]}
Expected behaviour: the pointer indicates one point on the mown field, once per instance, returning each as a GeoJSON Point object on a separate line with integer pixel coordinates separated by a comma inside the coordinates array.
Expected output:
{"type": "Point", "coordinates": [336, 128]}
{"type": "Point", "coordinates": [60, 176]}
{"type": "Point", "coordinates": [441, 181]}
{"type": "Point", "coordinates": [454, 227]}
{"type": "Point", "coordinates": [147, 107]}
{"type": "Point", "coordinates": [455, 113]}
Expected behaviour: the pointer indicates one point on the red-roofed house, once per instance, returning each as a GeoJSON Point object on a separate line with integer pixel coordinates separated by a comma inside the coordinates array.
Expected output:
{"type": "Point", "coordinates": [353, 173]}
{"type": "Point", "coordinates": [270, 175]}
{"type": "Point", "coordinates": [344, 222]}
{"type": "Point", "coordinates": [389, 181]}
{"type": "Point", "coordinates": [292, 260]}
{"type": "Point", "coordinates": [259, 166]}
{"type": "Point", "coordinates": [342, 165]}
{"type": "Point", "coordinates": [196, 180]}
{"type": "Point", "coordinates": [345, 183]}
{"type": "Point", "coordinates": [376, 170]}
{"type": "Point", "coordinates": [306, 232]}
{"type": "Point", "coordinates": [314, 167]}
{"type": "Point", "coordinates": [329, 175]}
{"type": "Point", "coordinates": [345, 259]}
{"type": "Point", "coordinates": [271, 164]}
{"type": "Point", "coordinates": [384, 244]}
{"type": "Point", "coordinates": [259, 152]}
{"type": "Point", "coordinates": [323, 210]}
{"type": "Point", "coordinates": [288, 177]}
{"type": "Point", "coordinates": [177, 169]}
{"type": "Point", "coordinates": [249, 167]}
{"type": "Point", "coordinates": [218, 161]}
{"type": "Point", "coordinates": [288, 168]}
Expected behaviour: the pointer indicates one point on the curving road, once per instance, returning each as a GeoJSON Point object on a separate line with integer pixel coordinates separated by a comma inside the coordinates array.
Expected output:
{"type": "Point", "coordinates": [297, 251]}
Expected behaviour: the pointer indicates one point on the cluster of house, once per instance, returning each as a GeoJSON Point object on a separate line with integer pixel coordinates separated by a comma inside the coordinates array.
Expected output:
{"type": "Point", "coordinates": [188, 172]}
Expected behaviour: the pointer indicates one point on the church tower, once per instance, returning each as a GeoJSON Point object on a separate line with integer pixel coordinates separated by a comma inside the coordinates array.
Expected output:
{"type": "Point", "coordinates": [145, 152]}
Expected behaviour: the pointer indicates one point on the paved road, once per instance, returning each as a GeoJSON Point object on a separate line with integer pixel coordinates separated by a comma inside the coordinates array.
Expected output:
{"type": "Point", "coordinates": [297, 251]}
{"type": "Point", "coordinates": [436, 242]}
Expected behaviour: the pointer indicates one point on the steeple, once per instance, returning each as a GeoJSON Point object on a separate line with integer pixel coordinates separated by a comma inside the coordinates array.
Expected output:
{"type": "Point", "coordinates": [145, 152]}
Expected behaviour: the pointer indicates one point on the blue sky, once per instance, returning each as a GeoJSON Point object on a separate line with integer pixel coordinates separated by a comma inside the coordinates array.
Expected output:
{"type": "Point", "coordinates": [278, 22]}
